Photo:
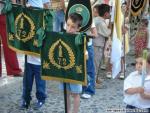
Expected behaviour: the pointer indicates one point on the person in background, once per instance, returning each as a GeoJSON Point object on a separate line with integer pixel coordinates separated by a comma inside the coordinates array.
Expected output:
{"type": "Point", "coordinates": [11, 61]}
{"type": "Point", "coordinates": [89, 90]}
{"type": "Point", "coordinates": [59, 6]}
{"type": "Point", "coordinates": [104, 32]}
{"type": "Point", "coordinates": [32, 70]}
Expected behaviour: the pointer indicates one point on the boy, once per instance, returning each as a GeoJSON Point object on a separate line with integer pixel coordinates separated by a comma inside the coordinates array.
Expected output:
{"type": "Point", "coordinates": [137, 97]}
{"type": "Point", "coordinates": [104, 32]}
{"type": "Point", "coordinates": [32, 70]}
{"type": "Point", "coordinates": [73, 25]}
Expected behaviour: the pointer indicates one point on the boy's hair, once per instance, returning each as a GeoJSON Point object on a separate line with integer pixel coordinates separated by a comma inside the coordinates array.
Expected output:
{"type": "Point", "coordinates": [76, 18]}
{"type": "Point", "coordinates": [102, 9]}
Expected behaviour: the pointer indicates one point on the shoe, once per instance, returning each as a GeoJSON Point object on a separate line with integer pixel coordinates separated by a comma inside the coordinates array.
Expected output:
{"type": "Point", "coordinates": [86, 96]}
{"type": "Point", "coordinates": [18, 75]}
{"type": "Point", "coordinates": [98, 81]}
{"type": "Point", "coordinates": [121, 75]}
{"type": "Point", "coordinates": [38, 105]}
{"type": "Point", "coordinates": [24, 105]}
{"type": "Point", "coordinates": [108, 75]}
{"type": "Point", "coordinates": [98, 86]}
{"type": "Point", "coordinates": [103, 67]}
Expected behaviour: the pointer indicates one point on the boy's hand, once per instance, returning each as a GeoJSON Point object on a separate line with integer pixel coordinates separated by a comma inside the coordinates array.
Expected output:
{"type": "Point", "coordinates": [124, 30]}
{"type": "Point", "coordinates": [142, 95]}
{"type": "Point", "coordinates": [28, 5]}
{"type": "Point", "coordinates": [140, 90]}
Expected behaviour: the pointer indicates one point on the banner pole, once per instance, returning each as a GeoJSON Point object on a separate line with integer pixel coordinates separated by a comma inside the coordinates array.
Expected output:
{"type": "Point", "coordinates": [65, 97]}
{"type": "Point", "coordinates": [124, 45]}
{"type": "Point", "coordinates": [64, 84]}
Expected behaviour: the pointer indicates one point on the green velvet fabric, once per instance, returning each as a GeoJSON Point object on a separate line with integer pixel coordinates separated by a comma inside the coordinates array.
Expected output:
{"type": "Point", "coordinates": [62, 60]}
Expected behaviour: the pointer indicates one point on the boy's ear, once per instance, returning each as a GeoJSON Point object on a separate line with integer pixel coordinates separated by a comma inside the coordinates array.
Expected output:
{"type": "Point", "coordinates": [82, 7]}
{"type": "Point", "coordinates": [80, 28]}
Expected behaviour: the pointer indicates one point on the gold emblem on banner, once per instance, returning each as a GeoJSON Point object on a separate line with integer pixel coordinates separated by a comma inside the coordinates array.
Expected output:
{"type": "Point", "coordinates": [21, 33]}
{"type": "Point", "coordinates": [46, 65]}
{"type": "Point", "coordinates": [61, 62]}
{"type": "Point", "coordinates": [79, 69]}
{"type": "Point", "coordinates": [35, 42]}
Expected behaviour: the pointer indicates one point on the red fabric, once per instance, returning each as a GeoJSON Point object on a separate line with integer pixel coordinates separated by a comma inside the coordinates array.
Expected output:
{"type": "Point", "coordinates": [12, 66]}
{"type": "Point", "coordinates": [140, 41]}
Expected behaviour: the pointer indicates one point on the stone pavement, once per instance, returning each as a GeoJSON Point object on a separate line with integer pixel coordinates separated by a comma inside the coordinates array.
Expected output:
{"type": "Point", "coordinates": [107, 100]}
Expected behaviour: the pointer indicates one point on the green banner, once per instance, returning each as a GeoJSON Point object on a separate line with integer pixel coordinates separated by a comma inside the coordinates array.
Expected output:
{"type": "Point", "coordinates": [27, 25]}
{"type": "Point", "coordinates": [63, 59]}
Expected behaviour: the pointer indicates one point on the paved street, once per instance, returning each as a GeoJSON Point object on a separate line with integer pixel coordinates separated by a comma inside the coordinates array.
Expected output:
{"type": "Point", "coordinates": [110, 97]}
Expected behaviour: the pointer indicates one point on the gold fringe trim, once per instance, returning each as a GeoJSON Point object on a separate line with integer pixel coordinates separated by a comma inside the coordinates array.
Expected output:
{"type": "Point", "coordinates": [23, 52]}
{"type": "Point", "coordinates": [44, 77]}
{"type": "Point", "coordinates": [85, 70]}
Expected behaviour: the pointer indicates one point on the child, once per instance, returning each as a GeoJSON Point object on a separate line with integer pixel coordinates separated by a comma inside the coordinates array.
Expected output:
{"type": "Point", "coordinates": [137, 97]}
{"type": "Point", "coordinates": [32, 71]}
{"type": "Point", "coordinates": [73, 25]}
{"type": "Point", "coordinates": [104, 32]}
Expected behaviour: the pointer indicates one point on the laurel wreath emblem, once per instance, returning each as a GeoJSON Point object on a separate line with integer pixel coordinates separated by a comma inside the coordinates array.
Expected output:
{"type": "Point", "coordinates": [32, 27]}
{"type": "Point", "coordinates": [70, 53]}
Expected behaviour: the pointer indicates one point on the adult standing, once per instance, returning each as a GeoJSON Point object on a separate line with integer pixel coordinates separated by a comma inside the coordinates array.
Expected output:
{"type": "Point", "coordinates": [11, 61]}
{"type": "Point", "coordinates": [59, 6]}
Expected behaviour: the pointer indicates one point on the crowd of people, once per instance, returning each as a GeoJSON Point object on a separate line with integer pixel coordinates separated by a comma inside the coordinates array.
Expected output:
{"type": "Point", "coordinates": [99, 52]}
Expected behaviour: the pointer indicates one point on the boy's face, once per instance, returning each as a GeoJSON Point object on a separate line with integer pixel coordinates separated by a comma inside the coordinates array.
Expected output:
{"type": "Point", "coordinates": [95, 12]}
{"type": "Point", "coordinates": [71, 26]}
{"type": "Point", "coordinates": [139, 64]}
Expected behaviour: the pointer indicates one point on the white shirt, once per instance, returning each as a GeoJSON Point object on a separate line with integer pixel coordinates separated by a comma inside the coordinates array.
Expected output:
{"type": "Point", "coordinates": [36, 3]}
{"type": "Point", "coordinates": [1, 7]}
{"type": "Point", "coordinates": [102, 30]}
{"type": "Point", "coordinates": [88, 32]}
{"type": "Point", "coordinates": [135, 80]}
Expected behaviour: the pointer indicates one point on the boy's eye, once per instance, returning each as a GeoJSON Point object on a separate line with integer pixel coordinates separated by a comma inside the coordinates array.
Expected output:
{"type": "Point", "coordinates": [141, 63]}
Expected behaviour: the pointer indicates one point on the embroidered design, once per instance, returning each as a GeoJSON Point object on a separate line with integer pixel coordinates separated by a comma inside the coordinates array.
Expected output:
{"type": "Point", "coordinates": [46, 65]}
{"type": "Point", "coordinates": [61, 62]}
{"type": "Point", "coordinates": [21, 33]}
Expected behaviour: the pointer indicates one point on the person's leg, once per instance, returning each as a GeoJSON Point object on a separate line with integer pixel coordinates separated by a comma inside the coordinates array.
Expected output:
{"type": "Point", "coordinates": [76, 90]}
{"type": "Point", "coordinates": [90, 88]}
{"type": "Point", "coordinates": [11, 60]}
{"type": "Point", "coordinates": [27, 83]}
{"type": "Point", "coordinates": [76, 102]}
{"type": "Point", "coordinates": [97, 59]}
{"type": "Point", "coordinates": [0, 57]}
{"type": "Point", "coordinates": [68, 102]}
{"type": "Point", "coordinates": [40, 84]}
{"type": "Point", "coordinates": [59, 19]}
